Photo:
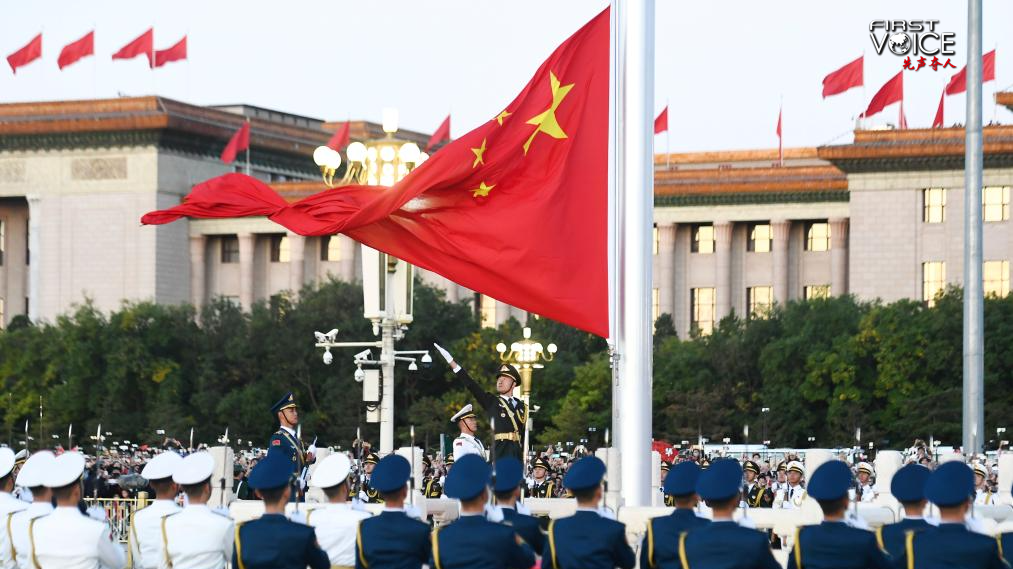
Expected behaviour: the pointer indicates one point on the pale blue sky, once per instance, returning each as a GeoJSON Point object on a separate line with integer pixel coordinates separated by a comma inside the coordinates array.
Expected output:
{"type": "Point", "coordinates": [722, 65]}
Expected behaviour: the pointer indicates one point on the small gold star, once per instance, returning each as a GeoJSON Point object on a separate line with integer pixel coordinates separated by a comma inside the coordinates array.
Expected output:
{"type": "Point", "coordinates": [501, 116]}
{"type": "Point", "coordinates": [478, 155]}
{"type": "Point", "coordinates": [482, 190]}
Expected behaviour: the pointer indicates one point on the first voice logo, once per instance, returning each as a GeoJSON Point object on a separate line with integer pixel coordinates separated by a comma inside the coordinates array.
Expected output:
{"type": "Point", "coordinates": [919, 38]}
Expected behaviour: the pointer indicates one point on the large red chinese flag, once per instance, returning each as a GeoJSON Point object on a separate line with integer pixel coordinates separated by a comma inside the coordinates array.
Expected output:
{"type": "Point", "coordinates": [74, 51]}
{"type": "Point", "coordinates": [891, 92]}
{"type": "Point", "coordinates": [847, 77]}
{"type": "Point", "coordinates": [239, 141]}
{"type": "Point", "coordinates": [142, 45]}
{"type": "Point", "coordinates": [516, 209]}
{"type": "Point", "coordinates": [442, 133]}
{"type": "Point", "coordinates": [26, 55]}
{"type": "Point", "coordinates": [958, 83]}
{"type": "Point", "coordinates": [340, 138]}
{"type": "Point", "coordinates": [661, 121]}
{"type": "Point", "coordinates": [175, 53]}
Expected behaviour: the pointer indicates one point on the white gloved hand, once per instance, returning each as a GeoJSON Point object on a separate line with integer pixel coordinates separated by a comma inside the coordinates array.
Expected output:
{"type": "Point", "coordinates": [523, 509]}
{"type": "Point", "coordinates": [606, 513]}
{"type": "Point", "coordinates": [358, 505]}
{"type": "Point", "coordinates": [446, 355]}
{"type": "Point", "coordinates": [413, 513]}
{"type": "Point", "coordinates": [97, 513]}
{"type": "Point", "coordinates": [493, 513]}
{"type": "Point", "coordinates": [298, 517]}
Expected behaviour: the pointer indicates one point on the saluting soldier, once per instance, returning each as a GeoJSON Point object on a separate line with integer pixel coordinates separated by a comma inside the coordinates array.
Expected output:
{"type": "Point", "coordinates": [908, 486]}
{"type": "Point", "coordinates": [273, 541]}
{"type": "Point", "coordinates": [472, 540]}
{"type": "Point", "coordinates": [541, 485]}
{"type": "Point", "coordinates": [9, 505]}
{"type": "Point", "coordinates": [755, 496]}
{"type": "Point", "coordinates": [367, 492]}
{"type": "Point", "coordinates": [286, 438]}
{"type": "Point", "coordinates": [507, 487]}
{"type": "Point", "coordinates": [337, 523]}
{"type": "Point", "coordinates": [144, 537]}
{"type": "Point", "coordinates": [431, 487]}
{"type": "Point", "coordinates": [863, 485]}
{"type": "Point", "coordinates": [196, 537]}
{"type": "Point", "coordinates": [660, 545]}
{"type": "Point", "coordinates": [31, 477]}
{"type": "Point", "coordinates": [509, 413]}
{"type": "Point", "coordinates": [467, 442]}
{"type": "Point", "coordinates": [391, 539]}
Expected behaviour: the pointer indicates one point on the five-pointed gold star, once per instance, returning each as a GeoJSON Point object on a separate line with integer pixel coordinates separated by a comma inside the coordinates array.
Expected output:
{"type": "Point", "coordinates": [501, 116]}
{"type": "Point", "coordinates": [546, 121]}
{"type": "Point", "coordinates": [482, 190]}
{"type": "Point", "coordinates": [479, 152]}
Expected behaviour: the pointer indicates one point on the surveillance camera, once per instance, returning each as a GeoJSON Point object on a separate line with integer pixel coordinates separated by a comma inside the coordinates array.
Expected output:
{"type": "Point", "coordinates": [426, 358]}
{"type": "Point", "coordinates": [413, 366]}
{"type": "Point", "coordinates": [363, 355]}
{"type": "Point", "coordinates": [359, 375]}
{"type": "Point", "coordinates": [332, 335]}
{"type": "Point", "coordinates": [320, 336]}
{"type": "Point", "coordinates": [328, 357]}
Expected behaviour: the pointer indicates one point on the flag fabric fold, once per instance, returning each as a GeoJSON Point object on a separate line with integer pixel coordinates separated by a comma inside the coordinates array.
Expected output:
{"type": "Point", "coordinates": [847, 77]}
{"type": "Point", "coordinates": [958, 83]}
{"type": "Point", "coordinates": [27, 54]}
{"type": "Point", "coordinates": [661, 122]}
{"type": "Point", "coordinates": [141, 45]}
{"type": "Point", "coordinates": [890, 93]}
{"type": "Point", "coordinates": [516, 209]}
{"type": "Point", "coordinates": [341, 138]}
{"type": "Point", "coordinates": [240, 141]}
{"type": "Point", "coordinates": [442, 133]}
{"type": "Point", "coordinates": [175, 53]}
{"type": "Point", "coordinates": [74, 51]}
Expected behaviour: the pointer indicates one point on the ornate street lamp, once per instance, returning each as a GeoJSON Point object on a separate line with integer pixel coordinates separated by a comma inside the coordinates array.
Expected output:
{"type": "Point", "coordinates": [378, 162]}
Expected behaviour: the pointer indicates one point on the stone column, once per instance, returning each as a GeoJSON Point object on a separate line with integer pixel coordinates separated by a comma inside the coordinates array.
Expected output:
{"type": "Point", "coordinates": [779, 231]}
{"type": "Point", "coordinates": [838, 256]}
{"type": "Point", "coordinates": [198, 267]}
{"type": "Point", "coordinates": [34, 255]}
{"type": "Point", "coordinates": [666, 269]}
{"type": "Point", "coordinates": [346, 272]}
{"type": "Point", "coordinates": [296, 262]}
{"type": "Point", "coordinates": [723, 270]}
{"type": "Point", "coordinates": [247, 242]}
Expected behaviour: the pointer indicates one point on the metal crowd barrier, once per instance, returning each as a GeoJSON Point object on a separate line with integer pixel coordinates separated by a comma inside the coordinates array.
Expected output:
{"type": "Point", "coordinates": [118, 512]}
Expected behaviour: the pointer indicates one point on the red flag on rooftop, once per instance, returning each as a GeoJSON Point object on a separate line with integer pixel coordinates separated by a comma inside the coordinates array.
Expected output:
{"type": "Point", "coordinates": [442, 133]}
{"type": "Point", "coordinates": [901, 119]}
{"type": "Point", "coordinates": [74, 51]}
{"type": "Point", "coordinates": [847, 77]}
{"type": "Point", "coordinates": [958, 83]}
{"type": "Point", "coordinates": [780, 139]}
{"type": "Point", "coordinates": [141, 45]}
{"type": "Point", "coordinates": [240, 141]}
{"type": "Point", "coordinates": [27, 54]}
{"type": "Point", "coordinates": [341, 138]}
{"type": "Point", "coordinates": [174, 53]}
{"type": "Point", "coordinates": [890, 93]}
{"type": "Point", "coordinates": [516, 209]}
{"type": "Point", "coordinates": [938, 121]}
{"type": "Point", "coordinates": [661, 122]}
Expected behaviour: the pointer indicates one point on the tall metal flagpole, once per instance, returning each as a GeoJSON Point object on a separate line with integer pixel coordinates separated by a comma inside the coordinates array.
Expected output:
{"type": "Point", "coordinates": [635, 193]}
{"type": "Point", "coordinates": [974, 303]}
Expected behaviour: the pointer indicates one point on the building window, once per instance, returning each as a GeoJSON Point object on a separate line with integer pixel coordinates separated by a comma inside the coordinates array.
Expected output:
{"type": "Point", "coordinates": [655, 304]}
{"type": "Point", "coordinates": [813, 292]}
{"type": "Point", "coordinates": [995, 203]}
{"type": "Point", "coordinates": [703, 239]}
{"type": "Point", "coordinates": [330, 248]}
{"type": "Point", "coordinates": [934, 208]}
{"type": "Point", "coordinates": [759, 238]}
{"type": "Point", "coordinates": [487, 311]}
{"type": "Point", "coordinates": [761, 300]}
{"type": "Point", "coordinates": [657, 240]}
{"type": "Point", "coordinates": [279, 248]}
{"type": "Point", "coordinates": [230, 249]}
{"type": "Point", "coordinates": [996, 276]}
{"type": "Point", "coordinates": [933, 280]}
{"type": "Point", "coordinates": [817, 236]}
{"type": "Point", "coordinates": [3, 241]}
{"type": "Point", "coordinates": [703, 302]}
{"type": "Point", "coordinates": [233, 300]}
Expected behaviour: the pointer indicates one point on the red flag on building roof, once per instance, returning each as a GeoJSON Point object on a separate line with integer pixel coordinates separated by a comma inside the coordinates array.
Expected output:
{"type": "Point", "coordinates": [27, 54]}
{"type": "Point", "coordinates": [958, 83]}
{"type": "Point", "coordinates": [661, 122]}
{"type": "Point", "coordinates": [175, 53]}
{"type": "Point", "coordinates": [341, 138]}
{"type": "Point", "coordinates": [938, 121]}
{"type": "Point", "coordinates": [780, 139]}
{"type": "Point", "coordinates": [516, 209]}
{"type": "Point", "coordinates": [890, 93]}
{"type": "Point", "coordinates": [901, 119]}
{"type": "Point", "coordinates": [442, 133]}
{"type": "Point", "coordinates": [847, 77]}
{"type": "Point", "coordinates": [141, 45]}
{"type": "Point", "coordinates": [240, 141]}
{"type": "Point", "coordinates": [74, 51]}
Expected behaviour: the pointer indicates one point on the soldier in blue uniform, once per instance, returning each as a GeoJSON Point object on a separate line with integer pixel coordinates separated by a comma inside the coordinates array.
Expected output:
{"type": "Point", "coordinates": [391, 539]}
{"type": "Point", "coordinates": [473, 542]}
{"type": "Point", "coordinates": [724, 543]}
{"type": "Point", "coordinates": [587, 540]}
{"type": "Point", "coordinates": [951, 544]}
{"type": "Point", "coordinates": [286, 439]}
{"type": "Point", "coordinates": [908, 486]}
{"type": "Point", "coordinates": [509, 474]}
{"type": "Point", "coordinates": [833, 543]}
{"type": "Point", "coordinates": [273, 541]}
{"type": "Point", "coordinates": [660, 545]}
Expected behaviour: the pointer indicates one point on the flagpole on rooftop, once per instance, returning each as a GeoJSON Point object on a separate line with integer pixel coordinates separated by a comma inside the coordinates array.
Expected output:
{"type": "Point", "coordinates": [248, 148]}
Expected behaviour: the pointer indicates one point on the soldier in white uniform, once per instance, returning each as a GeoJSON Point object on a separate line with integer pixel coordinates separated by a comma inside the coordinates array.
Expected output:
{"type": "Point", "coordinates": [982, 494]}
{"type": "Point", "coordinates": [790, 496]}
{"type": "Point", "coordinates": [66, 538]}
{"type": "Point", "coordinates": [9, 505]}
{"type": "Point", "coordinates": [336, 523]}
{"type": "Point", "coordinates": [31, 476]}
{"type": "Point", "coordinates": [466, 442]}
{"type": "Point", "coordinates": [144, 540]}
{"type": "Point", "coordinates": [196, 537]}
{"type": "Point", "coordinates": [863, 491]}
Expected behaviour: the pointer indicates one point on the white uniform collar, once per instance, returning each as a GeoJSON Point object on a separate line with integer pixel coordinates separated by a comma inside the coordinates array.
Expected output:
{"type": "Point", "coordinates": [400, 510]}
{"type": "Point", "coordinates": [288, 430]}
